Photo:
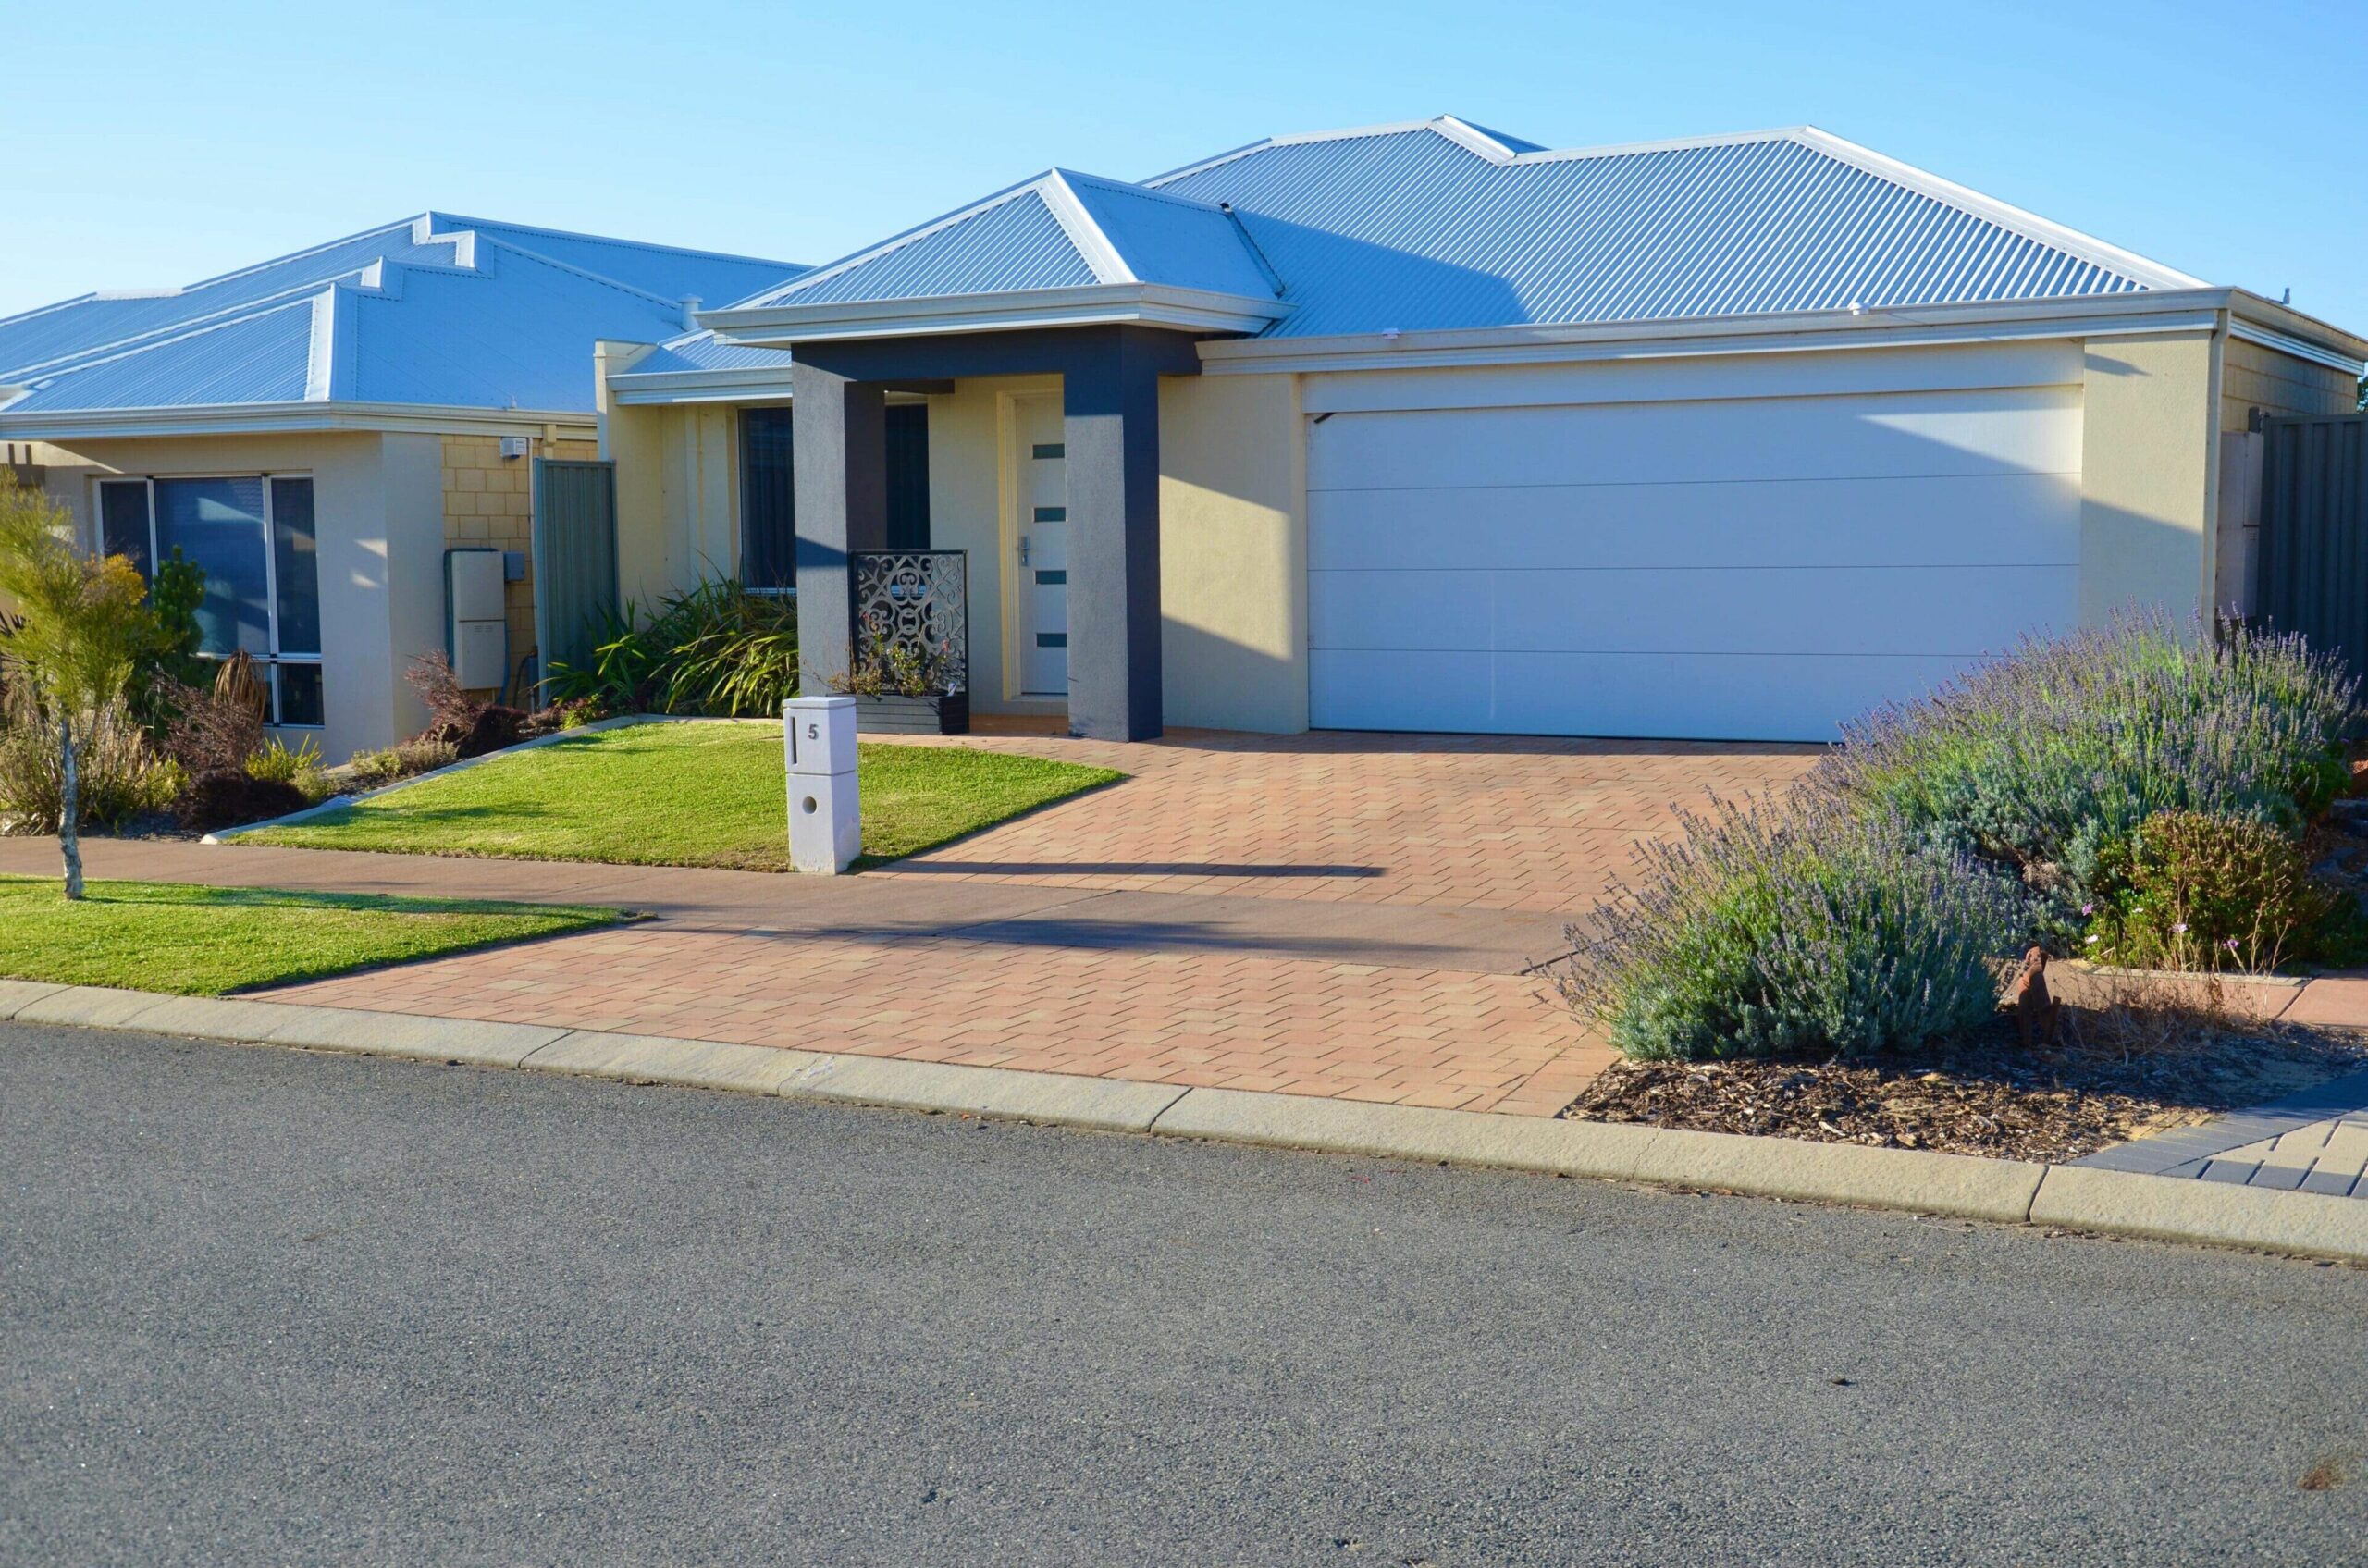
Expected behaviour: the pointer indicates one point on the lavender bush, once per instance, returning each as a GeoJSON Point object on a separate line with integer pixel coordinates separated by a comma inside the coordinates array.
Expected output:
{"type": "Point", "coordinates": [2042, 760]}
{"type": "Point", "coordinates": [1796, 926]}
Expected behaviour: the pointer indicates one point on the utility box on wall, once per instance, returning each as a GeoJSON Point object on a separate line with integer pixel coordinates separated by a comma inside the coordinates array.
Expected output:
{"type": "Point", "coordinates": [476, 626]}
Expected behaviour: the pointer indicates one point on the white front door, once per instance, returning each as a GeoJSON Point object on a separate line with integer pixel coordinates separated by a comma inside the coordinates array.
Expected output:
{"type": "Point", "coordinates": [1043, 550]}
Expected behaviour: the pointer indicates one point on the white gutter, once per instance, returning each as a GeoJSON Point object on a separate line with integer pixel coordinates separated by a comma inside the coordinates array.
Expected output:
{"type": "Point", "coordinates": [2182, 310]}
{"type": "Point", "coordinates": [1151, 304]}
{"type": "Point", "coordinates": [65, 426]}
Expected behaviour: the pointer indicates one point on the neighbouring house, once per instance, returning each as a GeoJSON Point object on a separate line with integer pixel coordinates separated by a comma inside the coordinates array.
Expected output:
{"type": "Point", "coordinates": [1425, 428]}
{"type": "Point", "coordinates": [318, 430]}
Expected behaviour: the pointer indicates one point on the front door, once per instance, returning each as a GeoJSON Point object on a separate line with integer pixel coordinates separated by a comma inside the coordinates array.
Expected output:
{"type": "Point", "coordinates": [1044, 551]}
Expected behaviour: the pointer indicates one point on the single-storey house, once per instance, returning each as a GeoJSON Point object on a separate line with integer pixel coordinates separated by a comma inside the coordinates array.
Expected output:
{"type": "Point", "coordinates": [317, 430]}
{"type": "Point", "coordinates": [1422, 427]}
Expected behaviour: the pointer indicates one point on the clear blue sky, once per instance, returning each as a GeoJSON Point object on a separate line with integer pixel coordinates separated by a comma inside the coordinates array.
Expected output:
{"type": "Point", "coordinates": [158, 143]}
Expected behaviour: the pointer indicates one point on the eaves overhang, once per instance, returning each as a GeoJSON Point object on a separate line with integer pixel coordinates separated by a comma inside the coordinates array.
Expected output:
{"type": "Point", "coordinates": [745, 384]}
{"type": "Point", "coordinates": [1098, 304]}
{"type": "Point", "coordinates": [2153, 310]}
{"type": "Point", "coordinates": [63, 426]}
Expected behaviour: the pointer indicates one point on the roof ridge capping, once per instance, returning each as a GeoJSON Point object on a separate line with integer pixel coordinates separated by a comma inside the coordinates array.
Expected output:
{"type": "Point", "coordinates": [789, 288]}
{"type": "Point", "coordinates": [1503, 149]}
{"type": "Point", "coordinates": [2088, 247]}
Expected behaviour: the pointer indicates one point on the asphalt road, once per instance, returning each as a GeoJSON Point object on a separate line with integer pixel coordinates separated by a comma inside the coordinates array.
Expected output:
{"type": "Point", "coordinates": [260, 1306]}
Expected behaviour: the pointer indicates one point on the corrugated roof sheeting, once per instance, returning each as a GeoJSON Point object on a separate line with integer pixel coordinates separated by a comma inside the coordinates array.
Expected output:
{"type": "Point", "coordinates": [657, 269]}
{"type": "Point", "coordinates": [262, 358]}
{"type": "Point", "coordinates": [1016, 244]}
{"type": "Point", "coordinates": [77, 326]}
{"type": "Point", "coordinates": [1162, 239]}
{"type": "Point", "coordinates": [495, 316]}
{"type": "Point", "coordinates": [704, 351]}
{"type": "Point", "coordinates": [1414, 231]}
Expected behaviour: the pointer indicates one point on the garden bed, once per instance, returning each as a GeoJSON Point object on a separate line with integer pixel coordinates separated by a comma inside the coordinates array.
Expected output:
{"type": "Point", "coordinates": [2122, 1072]}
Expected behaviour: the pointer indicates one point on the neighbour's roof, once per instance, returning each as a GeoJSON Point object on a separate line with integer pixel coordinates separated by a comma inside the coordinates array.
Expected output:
{"type": "Point", "coordinates": [1443, 224]}
{"type": "Point", "coordinates": [436, 310]}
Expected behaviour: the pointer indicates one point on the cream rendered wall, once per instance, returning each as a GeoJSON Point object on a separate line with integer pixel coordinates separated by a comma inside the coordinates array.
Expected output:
{"type": "Point", "coordinates": [2149, 465]}
{"type": "Point", "coordinates": [1233, 552]}
{"type": "Point", "coordinates": [678, 497]}
{"type": "Point", "coordinates": [378, 511]}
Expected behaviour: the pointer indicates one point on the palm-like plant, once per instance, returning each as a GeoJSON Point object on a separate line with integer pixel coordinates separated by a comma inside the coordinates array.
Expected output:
{"type": "Point", "coordinates": [84, 631]}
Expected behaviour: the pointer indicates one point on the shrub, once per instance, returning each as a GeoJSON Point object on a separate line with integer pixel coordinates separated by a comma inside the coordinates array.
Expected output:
{"type": "Point", "coordinates": [233, 797]}
{"type": "Point", "coordinates": [494, 727]}
{"type": "Point", "coordinates": [1793, 927]}
{"type": "Point", "coordinates": [120, 776]}
{"type": "Point", "coordinates": [2193, 891]}
{"type": "Point", "coordinates": [2043, 759]}
{"type": "Point", "coordinates": [450, 709]}
{"type": "Point", "coordinates": [300, 767]}
{"type": "Point", "coordinates": [208, 732]}
{"type": "Point", "coordinates": [405, 760]}
{"type": "Point", "coordinates": [718, 651]}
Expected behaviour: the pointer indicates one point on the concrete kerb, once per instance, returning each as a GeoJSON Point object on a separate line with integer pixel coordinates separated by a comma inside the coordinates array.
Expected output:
{"type": "Point", "coordinates": [2009, 1192]}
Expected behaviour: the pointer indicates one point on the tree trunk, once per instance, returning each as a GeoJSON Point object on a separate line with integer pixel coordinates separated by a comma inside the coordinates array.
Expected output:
{"type": "Point", "coordinates": [69, 807]}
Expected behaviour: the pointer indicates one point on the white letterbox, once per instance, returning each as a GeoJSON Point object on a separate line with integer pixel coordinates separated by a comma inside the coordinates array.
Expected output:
{"type": "Point", "coordinates": [825, 822]}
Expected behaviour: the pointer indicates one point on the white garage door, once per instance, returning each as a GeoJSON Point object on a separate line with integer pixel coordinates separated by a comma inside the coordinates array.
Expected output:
{"type": "Point", "coordinates": [1748, 569]}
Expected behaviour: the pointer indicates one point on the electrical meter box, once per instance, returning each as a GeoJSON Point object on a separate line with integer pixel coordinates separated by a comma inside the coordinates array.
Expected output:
{"type": "Point", "coordinates": [476, 625]}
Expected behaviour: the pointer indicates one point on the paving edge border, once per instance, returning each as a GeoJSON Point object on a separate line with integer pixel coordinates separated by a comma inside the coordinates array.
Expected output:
{"type": "Point", "coordinates": [2007, 1192]}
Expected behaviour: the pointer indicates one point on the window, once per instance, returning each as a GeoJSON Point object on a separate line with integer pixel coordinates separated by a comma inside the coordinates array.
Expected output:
{"type": "Point", "coordinates": [769, 486]}
{"type": "Point", "coordinates": [253, 537]}
{"type": "Point", "coordinates": [767, 500]}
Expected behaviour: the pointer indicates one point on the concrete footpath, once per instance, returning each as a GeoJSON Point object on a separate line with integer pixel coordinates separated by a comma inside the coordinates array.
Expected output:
{"type": "Point", "coordinates": [2005, 1192]}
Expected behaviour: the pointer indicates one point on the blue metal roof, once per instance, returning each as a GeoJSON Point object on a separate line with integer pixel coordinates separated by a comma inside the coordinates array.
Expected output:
{"type": "Point", "coordinates": [434, 310]}
{"type": "Point", "coordinates": [1415, 229]}
{"type": "Point", "coordinates": [1058, 230]}
{"type": "Point", "coordinates": [1444, 223]}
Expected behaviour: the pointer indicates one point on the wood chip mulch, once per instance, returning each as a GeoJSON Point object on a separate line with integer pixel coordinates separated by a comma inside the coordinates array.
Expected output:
{"type": "Point", "coordinates": [1981, 1095]}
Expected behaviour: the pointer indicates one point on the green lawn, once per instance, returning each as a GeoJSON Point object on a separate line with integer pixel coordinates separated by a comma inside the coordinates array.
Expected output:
{"type": "Point", "coordinates": [204, 941]}
{"type": "Point", "coordinates": [684, 795]}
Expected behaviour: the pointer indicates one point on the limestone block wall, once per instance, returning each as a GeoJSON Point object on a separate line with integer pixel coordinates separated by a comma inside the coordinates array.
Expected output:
{"type": "Point", "coordinates": [490, 501]}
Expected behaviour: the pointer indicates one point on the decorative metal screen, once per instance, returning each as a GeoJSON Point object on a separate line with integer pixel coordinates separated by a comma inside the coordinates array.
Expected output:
{"type": "Point", "coordinates": [917, 601]}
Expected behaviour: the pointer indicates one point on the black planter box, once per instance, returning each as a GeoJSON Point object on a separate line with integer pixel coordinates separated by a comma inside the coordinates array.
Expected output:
{"type": "Point", "coordinates": [947, 715]}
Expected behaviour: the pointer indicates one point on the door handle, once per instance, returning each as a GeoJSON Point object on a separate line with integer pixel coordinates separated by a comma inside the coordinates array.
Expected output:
{"type": "Point", "coordinates": [1023, 549]}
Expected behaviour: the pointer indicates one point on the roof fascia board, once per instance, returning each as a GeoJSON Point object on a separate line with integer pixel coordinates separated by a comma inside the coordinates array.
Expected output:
{"type": "Point", "coordinates": [697, 385]}
{"type": "Point", "coordinates": [1150, 303]}
{"type": "Point", "coordinates": [67, 426]}
{"type": "Point", "coordinates": [2261, 320]}
{"type": "Point", "coordinates": [2152, 273]}
{"type": "Point", "coordinates": [2185, 311]}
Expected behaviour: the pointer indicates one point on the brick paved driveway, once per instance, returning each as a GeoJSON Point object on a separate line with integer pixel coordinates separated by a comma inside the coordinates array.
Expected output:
{"type": "Point", "coordinates": [1454, 822]}
{"type": "Point", "coordinates": [1135, 977]}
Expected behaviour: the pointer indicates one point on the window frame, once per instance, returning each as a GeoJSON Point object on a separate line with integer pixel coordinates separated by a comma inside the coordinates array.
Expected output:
{"type": "Point", "coordinates": [743, 457]}
{"type": "Point", "coordinates": [271, 661]}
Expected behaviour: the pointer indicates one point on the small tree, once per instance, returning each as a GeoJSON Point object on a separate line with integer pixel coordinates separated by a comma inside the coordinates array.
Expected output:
{"type": "Point", "coordinates": [84, 630]}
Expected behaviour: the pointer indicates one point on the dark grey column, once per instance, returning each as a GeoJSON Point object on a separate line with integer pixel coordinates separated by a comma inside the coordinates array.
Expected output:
{"type": "Point", "coordinates": [839, 432]}
{"type": "Point", "coordinates": [1110, 395]}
